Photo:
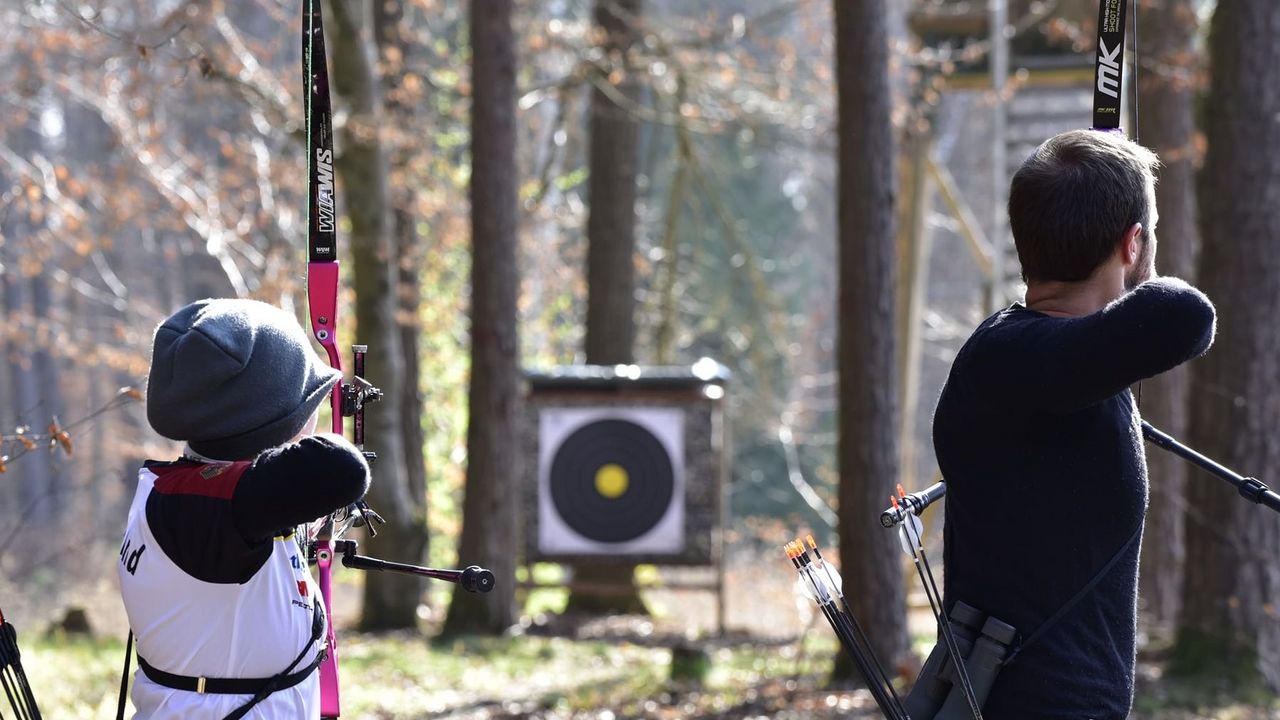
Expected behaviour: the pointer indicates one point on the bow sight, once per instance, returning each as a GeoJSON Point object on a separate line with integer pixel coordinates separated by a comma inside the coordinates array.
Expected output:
{"type": "Point", "coordinates": [356, 393]}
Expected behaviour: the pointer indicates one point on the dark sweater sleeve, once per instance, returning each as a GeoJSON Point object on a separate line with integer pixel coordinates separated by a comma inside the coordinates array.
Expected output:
{"type": "Point", "coordinates": [1066, 364]}
{"type": "Point", "coordinates": [298, 483]}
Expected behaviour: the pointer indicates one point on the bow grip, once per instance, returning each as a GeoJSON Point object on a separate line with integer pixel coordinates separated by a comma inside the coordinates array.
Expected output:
{"type": "Point", "coordinates": [322, 303]}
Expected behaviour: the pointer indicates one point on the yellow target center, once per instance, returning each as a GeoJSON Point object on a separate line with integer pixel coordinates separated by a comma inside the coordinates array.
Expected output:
{"type": "Point", "coordinates": [611, 480]}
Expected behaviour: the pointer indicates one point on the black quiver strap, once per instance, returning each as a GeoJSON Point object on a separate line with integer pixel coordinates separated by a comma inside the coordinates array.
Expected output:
{"type": "Point", "coordinates": [1061, 612]}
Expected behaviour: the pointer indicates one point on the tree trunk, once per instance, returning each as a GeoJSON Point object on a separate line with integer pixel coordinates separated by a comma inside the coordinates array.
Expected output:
{"type": "Point", "coordinates": [390, 600]}
{"type": "Point", "coordinates": [1229, 627]}
{"type": "Point", "coordinates": [611, 243]}
{"type": "Point", "coordinates": [489, 517]}
{"type": "Point", "coordinates": [395, 45]}
{"type": "Point", "coordinates": [46, 367]}
{"type": "Point", "coordinates": [913, 248]}
{"type": "Point", "coordinates": [868, 387]}
{"type": "Point", "coordinates": [1167, 93]}
{"type": "Point", "coordinates": [611, 218]}
{"type": "Point", "coordinates": [87, 139]}
{"type": "Point", "coordinates": [30, 401]}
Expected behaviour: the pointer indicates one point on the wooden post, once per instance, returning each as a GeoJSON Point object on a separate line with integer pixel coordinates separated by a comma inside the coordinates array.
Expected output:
{"type": "Point", "coordinates": [913, 246]}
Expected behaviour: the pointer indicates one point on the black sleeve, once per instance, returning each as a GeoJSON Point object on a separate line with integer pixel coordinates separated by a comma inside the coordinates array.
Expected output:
{"type": "Point", "coordinates": [298, 483]}
{"type": "Point", "coordinates": [1066, 364]}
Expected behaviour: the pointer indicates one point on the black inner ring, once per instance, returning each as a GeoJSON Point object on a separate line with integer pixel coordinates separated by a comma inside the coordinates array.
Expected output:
{"type": "Point", "coordinates": [650, 486]}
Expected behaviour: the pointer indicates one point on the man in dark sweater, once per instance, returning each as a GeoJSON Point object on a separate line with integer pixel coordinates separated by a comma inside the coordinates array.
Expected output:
{"type": "Point", "coordinates": [1038, 436]}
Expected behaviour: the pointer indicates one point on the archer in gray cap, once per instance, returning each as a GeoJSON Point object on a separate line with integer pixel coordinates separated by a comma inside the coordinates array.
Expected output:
{"type": "Point", "coordinates": [210, 567]}
{"type": "Point", "coordinates": [233, 377]}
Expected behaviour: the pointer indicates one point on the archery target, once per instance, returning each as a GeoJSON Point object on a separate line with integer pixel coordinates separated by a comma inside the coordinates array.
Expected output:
{"type": "Point", "coordinates": [610, 480]}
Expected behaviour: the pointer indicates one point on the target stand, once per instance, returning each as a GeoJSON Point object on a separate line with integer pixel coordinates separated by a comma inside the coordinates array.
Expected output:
{"type": "Point", "coordinates": [626, 464]}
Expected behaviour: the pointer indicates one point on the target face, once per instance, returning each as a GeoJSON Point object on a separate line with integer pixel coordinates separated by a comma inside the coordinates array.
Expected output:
{"type": "Point", "coordinates": [611, 481]}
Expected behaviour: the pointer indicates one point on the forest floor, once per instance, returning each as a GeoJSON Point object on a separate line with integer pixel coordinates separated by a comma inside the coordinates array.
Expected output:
{"type": "Point", "coordinates": [537, 677]}
{"type": "Point", "coordinates": [773, 662]}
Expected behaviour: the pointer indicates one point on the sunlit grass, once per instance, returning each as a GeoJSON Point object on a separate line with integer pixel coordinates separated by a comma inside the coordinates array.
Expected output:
{"type": "Point", "coordinates": [408, 675]}
{"type": "Point", "coordinates": [74, 677]}
{"type": "Point", "coordinates": [404, 675]}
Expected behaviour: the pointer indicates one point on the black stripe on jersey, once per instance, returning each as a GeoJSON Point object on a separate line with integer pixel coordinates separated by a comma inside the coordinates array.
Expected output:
{"type": "Point", "coordinates": [192, 519]}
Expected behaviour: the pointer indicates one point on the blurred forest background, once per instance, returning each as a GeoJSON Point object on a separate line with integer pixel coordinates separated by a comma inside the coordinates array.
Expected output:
{"type": "Point", "coordinates": [810, 193]}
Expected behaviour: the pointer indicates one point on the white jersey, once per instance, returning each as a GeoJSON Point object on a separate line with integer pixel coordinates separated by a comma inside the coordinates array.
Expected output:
{"type": "Point", "coordinates": [190, 627]}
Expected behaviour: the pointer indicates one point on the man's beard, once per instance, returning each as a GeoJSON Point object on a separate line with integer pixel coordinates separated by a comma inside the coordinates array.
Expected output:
{"type": "Point", "coordinates": [1144, 268]}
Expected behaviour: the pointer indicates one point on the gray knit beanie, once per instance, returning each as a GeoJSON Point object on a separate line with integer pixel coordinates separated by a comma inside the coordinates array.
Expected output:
{"type": "Point", "coordinates": [234, 377]}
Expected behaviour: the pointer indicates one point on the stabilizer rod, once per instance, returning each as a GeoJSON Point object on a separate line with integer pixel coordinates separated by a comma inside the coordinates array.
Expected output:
{"type": "Point", "coordinates": [1249, 488]}
{"type": "Point", "coordinates": [914, 503]}
{"type": "Point", "coordinates": [472, 579]}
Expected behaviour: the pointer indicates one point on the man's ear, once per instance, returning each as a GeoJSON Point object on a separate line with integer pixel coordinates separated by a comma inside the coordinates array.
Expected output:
{"type": "Point", "coordinates": [1131, 245]}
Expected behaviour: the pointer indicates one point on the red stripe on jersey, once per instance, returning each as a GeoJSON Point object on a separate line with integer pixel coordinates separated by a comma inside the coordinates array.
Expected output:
{"type": "Point", "coordinates": [215, 481]}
